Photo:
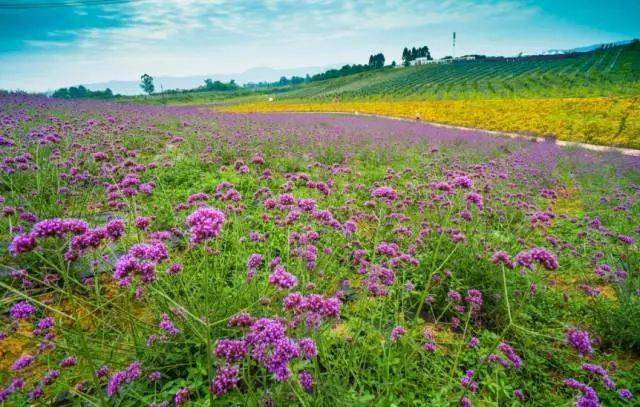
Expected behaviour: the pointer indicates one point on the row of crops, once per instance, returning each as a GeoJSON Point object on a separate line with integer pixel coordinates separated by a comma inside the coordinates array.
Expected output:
{"type": "Point", "coordinates": [604, 72]}
{"type": "Point", "coordinates": [607, 121]}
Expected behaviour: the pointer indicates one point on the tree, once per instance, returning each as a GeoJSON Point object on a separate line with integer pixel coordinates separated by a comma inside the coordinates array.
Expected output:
{"type": "Point", "coordinates": [405, 56]}
{"type": "Point", "coordinates": [283, 81]}
{"type": "Point", "coordinates": [376, 61]}
{"type": "Point", "coordinates": [146, 84]}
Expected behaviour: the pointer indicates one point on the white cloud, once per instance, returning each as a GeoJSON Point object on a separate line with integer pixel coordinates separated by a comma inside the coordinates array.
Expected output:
{"type": "Point", "coordinates": [184, 37]}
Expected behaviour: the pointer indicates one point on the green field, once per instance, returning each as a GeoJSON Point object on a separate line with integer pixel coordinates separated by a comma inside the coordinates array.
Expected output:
{"type": "Point", "coordinates": [613, 71]}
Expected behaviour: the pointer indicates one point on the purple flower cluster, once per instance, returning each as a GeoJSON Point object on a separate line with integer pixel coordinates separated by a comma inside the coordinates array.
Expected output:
{"type": "Point", "coordinates": [22, 362]}
{"type": "Point", "coordinates": [119, 379]}
{"type": "Point", "coordinates": [84, 237]}
{"type": "Point", "coordinates": [268, 344]}
{"type": "Point", "coordinates": [141, 260]}
{"type": "Point", "coordinates": [22, 310]}
{"type": "Point", "coordinates": [271, 347]}
{"type": "Point", "coordinates": [226, 379]}
{"type": "Point", "coordinates": [512, 359]}
{"type": "Point", "coordinates": [15, 386]}
{"type": "Point", "coordinates": [167, 325]}
{"type": "Point", "coordinates": [540, 255]}
{"type": "Point", "coordinates": [313, 306]}
{"type": "Point", "coordinates": [232, 350]}
{"type": "Point", "coordinates": [580, 341]}
{"type": "Point", "coordinates": [306, 380]}
{"type": "Point", "coordinates": [599, 371]}
{"type": "Point", "coordinates": [205, 223]}
{"type": "Point", "coordinates": [385, 192]}
{"type": "Point", "coordinates": [589, 396]}
{"type": "Point", "coordinates": [468, 383]}
{"type": "Point", "coordinates": [181, 397]}
{"type": "Point", "coordinates": [397, 333]}
{"type": "Point", "coordinates": [282, 279]}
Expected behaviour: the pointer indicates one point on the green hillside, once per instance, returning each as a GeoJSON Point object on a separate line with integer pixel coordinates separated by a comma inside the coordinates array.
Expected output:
{"type": "Point", "coordinates": [604, 72]}
{"type": "Point", "coordinates": [612, 71]}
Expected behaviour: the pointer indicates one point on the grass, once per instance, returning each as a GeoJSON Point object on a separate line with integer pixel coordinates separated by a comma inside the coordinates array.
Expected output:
{"type": "Point", "coordinates": [445, 243]}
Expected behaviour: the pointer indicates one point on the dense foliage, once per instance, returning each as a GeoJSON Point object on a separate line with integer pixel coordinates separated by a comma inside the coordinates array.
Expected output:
{"type": "Point", "coordinates": [80, 92]}
{"type": "Point", "coordinates": [157, 255]}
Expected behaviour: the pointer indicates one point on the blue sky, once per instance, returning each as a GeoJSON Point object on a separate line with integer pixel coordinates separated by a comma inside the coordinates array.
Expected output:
{"type": "Point", "coordinates": [46, 48]}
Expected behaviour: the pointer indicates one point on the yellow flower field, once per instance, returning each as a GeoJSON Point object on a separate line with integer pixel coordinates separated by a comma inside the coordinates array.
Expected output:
{"type": "Point", "coordinates": [604, 121]}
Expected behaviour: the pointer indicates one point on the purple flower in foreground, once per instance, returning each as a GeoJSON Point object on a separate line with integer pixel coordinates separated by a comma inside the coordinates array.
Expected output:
{"type": "Point", "coordinates": [226, 379]}
{"type": "Point", "coordinates": [518, 393]}
{"type": "Point", "coordinates": [22, 310]}
{"type": "Point", "coordinates": [625, 394]}
{"type": "Point", "coordinates": [22, 244]}
{"type": "Point", "coordinates": [205, 223]}
{"type": "Point", "coordinates": [22, 362]}
{"type": "Point", "coordinates": [36, 393]}
{"type": "Point", "coordinates": [282, 279]}
{"type": "Point", "coordinates": [232, 350]}
{"type": "Point", "coordinates": [502, 257]}
{"type": "Point", "coordinates": [122, 377]}
{"type": "Point", "coordinates": [308, 348]}
{"type": "Point", "coordinates": [589, 396]}
{"type": "Point", "coordinates": [385, 192]}
{"type": "Point", "coordinates": [254, 261]}
{"type": "Point", "coordinates": [474, 342]}
{"type": "Point", "coordinates": [462, 181]}
{"type": "Point", "coordinates": [181, 397]}
{"type": "Point", "coordinates": [69, 361]}
{"type": "Point", "coordinates": [167, 325]}
{"type": "Point", "coordinates": [306, 380]}
{"type": "Point", "coordinates": [397, 333]}
{"type": "Point", "coordinates": [476, 199]}
{"type": "Point", "coordinates": [580, 341]}
{"type": "Point", "coordinates": [626, 239]}
{"type": "Point", "coordinates": [102, 371]}
{"type": "Point", "coordinates": [541, 255]}
{"type": "Point", "coordinates": [50, 377]}
{"type": "Point", "coordinates": [510, 354]}
{"type": "Point", "coordinates": [142, 222]}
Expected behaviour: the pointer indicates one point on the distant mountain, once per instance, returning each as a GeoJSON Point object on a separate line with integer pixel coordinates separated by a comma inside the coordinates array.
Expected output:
{"type": "Point", "coordinates": [258, 74]}
{"type": "Point", "coordinates": [586, 48]}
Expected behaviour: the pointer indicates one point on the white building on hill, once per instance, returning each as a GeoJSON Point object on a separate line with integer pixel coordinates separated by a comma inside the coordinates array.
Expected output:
{"type": "Point", "coordinates": [421, 61]}
{"type": "Point", "coordinates": [425, 61]}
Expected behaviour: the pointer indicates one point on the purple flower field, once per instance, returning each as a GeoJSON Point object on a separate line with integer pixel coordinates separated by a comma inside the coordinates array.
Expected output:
{"type": "Point", "coordinates": [179, 256]}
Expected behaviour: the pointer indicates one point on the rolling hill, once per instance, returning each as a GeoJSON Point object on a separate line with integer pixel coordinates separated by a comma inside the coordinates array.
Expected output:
{"type": "Point", "coordinates": [609, 71]}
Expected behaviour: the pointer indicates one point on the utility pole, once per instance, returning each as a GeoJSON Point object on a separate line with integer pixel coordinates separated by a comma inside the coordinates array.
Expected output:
{"type": "Point", "coordinates": [454, 45]}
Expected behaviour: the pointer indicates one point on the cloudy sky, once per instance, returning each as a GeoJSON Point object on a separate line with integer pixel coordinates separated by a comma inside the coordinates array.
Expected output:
{"type": "Point", "coordinates": [45, 44]}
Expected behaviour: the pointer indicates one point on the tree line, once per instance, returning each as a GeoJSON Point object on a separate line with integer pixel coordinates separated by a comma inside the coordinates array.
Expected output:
{"type": "Point", "coordinates": [80, 92]}
{"type": "Point", "coordinates": [376, 61]}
